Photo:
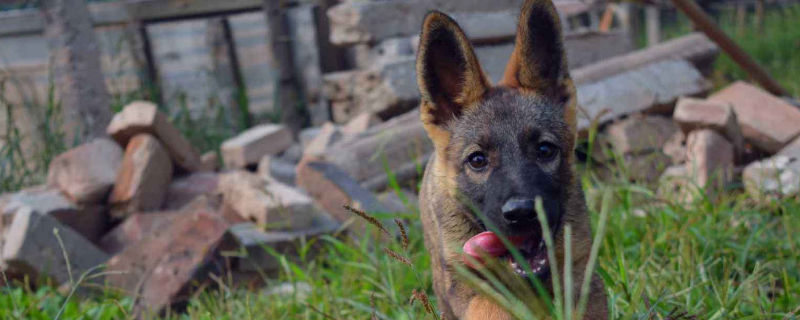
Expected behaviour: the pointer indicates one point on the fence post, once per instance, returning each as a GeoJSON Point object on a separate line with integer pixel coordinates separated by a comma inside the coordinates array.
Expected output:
{"type": "Point", "coordinates": [85, 101]}
{"type": "Point", "coordinates": [653, 23]}
{"type": "Point", "coordinates": [293, 111]}
{"type": "Point", "coordinates": [225, 61]}
{"type": "Point", "coordinates": [623, 11]}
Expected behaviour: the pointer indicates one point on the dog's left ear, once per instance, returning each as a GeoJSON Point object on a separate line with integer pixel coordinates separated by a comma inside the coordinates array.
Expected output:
{"type": "Point", "coordinates": [539, 62]}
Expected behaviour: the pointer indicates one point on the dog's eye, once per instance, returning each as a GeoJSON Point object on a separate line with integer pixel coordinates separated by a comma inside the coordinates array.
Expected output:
{"type": "Point", "coordinates": [477, 160]}
{"type": "Point", "coordinates": [546, 151]}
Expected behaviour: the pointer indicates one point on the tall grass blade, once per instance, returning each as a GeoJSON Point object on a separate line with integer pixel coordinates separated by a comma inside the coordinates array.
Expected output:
{"type": "Point", "coordinates": [551, 256]}
{"type": "Point", "coordinates": [590, 266]}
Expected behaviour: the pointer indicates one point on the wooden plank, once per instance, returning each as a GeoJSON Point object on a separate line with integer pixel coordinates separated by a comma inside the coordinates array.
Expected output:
{"type": "Point", "coordinates": [363, 22]}
{"type": "Point", "coordinates": [281, 59]}
{"type": "Point", "coordinates": [160, 10]}
{"type": "Point", "coordinates": [20, 22]}
{"type": "Point", "coordinates": [182, 64]}
{"type": "Point", "coordinates": [305, 51]}
{"type": "Point", "coordinates": [108, 13]}
{"type": "Point", "coordinates": [26, 55]}
{"type": "Point", "coordinates": [695, 48]}
{"type": "Point", "coordinates": [653, 25]}
{"type": "Point", "coordinates": [29, 21]}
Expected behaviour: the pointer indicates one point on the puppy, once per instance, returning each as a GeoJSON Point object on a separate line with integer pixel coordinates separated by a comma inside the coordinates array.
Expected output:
{"type": "Point", "coordinates": [498, 148]}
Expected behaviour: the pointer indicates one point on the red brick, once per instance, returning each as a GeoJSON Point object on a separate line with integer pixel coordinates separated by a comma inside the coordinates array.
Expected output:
{"type": "Point", "coordinates": [640, 134]}
{"type": "Point", "coordinates": [141, 225]}
{"type": "Point", "coordinates": [692, 114]}
{"type": "Point", "coordinates": [164, 268]}
{"type": "Point", "coordinates": [675, 148]}
{"type": "Point", "coordinates": [272, 204]}
{"type": "Point", "coordinates": [709, 158]}
{"type": "Point", "coordinates": [209, 161]}
{"type": "Point", "coordinates": [32, 248]}
{"type": "Point", "coordinates": [87, 173]}
{"type": "Point", "coordinates": [143, 178]}
{"type": "Point", "coordinates": [331, 188]}
{"type": "Point", "coordinates": [184, 190]}
{"type": "Point", "coordinates": [134, 229]}
{"type": "Point", "coordinates": [88, 220]}
{"type": "Point", "coordinates": [767, 122]}
{"type": "Point", "coordinates": [327, 136]}
{"type": "Point", "coordinates": [250, 146]}
{"type": "Point", "coordinates": [143, 117]}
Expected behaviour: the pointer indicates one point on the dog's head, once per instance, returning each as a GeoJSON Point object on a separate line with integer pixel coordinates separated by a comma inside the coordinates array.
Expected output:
{"type": "Point", "coordinates": [500, 147]}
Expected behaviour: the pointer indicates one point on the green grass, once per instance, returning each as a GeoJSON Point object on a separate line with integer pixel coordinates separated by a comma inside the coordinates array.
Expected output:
{"type": "Point", "coordinates": [773, 43]}
{"type": "Point", "coordinates": [23, 163]}
{"type": "Point", "coordinates": [730, 258]}
{"type": "Point", "coordinates": [21, 303]}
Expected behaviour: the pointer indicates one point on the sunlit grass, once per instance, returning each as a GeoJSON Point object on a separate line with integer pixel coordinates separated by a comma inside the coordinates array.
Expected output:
{"type": "Point", "coordinates": [774, 44]}
{"type": "Point", "coordinates": [730, 258]}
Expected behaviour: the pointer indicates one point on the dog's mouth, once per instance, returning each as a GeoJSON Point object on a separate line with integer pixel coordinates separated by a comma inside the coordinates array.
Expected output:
{"type": "Point", "coordinates": [534, 251]}
{"type": "Point", "coordinates": [531, 247]}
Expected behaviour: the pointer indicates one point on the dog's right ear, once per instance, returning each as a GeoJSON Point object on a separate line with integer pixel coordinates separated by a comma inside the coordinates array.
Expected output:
{"type": "Point", "coordinates": [449, 76]}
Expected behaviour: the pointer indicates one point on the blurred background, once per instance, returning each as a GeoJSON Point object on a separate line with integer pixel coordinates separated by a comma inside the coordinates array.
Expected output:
{"type": "Point", "coordinates": [217, 65]}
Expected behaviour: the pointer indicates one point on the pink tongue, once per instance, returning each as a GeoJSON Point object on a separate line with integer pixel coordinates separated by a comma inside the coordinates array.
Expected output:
{"type": "Point", "coordinates": [486, 243]}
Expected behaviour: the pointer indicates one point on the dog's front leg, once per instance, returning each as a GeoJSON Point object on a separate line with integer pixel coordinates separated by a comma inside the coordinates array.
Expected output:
{"type": "Point", "coordinates": [481, 308]}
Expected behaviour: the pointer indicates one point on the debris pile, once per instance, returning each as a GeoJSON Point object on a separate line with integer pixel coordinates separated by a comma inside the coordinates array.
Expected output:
{"type": "Point", "coordinates": [143, 209]}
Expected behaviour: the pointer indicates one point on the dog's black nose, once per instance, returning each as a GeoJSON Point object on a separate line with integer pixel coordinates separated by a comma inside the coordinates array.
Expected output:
{"type": "Point", "coordinates": [519, 210]}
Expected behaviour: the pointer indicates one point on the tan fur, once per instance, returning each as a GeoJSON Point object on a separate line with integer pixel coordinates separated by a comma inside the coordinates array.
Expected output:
{"type": "Point", "coordinates": [445, 225]}
{"type": "Point", "coordinates": [481, 308]}
{"type": "Point", "coordinates": [521, 74]}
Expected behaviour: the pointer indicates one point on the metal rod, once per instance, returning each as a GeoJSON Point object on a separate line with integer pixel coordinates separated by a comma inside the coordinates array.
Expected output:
{"type": "Point", "coordinates": [153, 86]}
{"type": "Point", "coordinates": [238, 78]}
{"type": "Point", "coordinates": [703, 22]}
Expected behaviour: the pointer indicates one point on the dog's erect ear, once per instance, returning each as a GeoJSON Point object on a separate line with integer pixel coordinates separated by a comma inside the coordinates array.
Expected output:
{"type": "Point", "coordinates": [538, 62]}
{"type": "Point", "coordinates": [449, 76]}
